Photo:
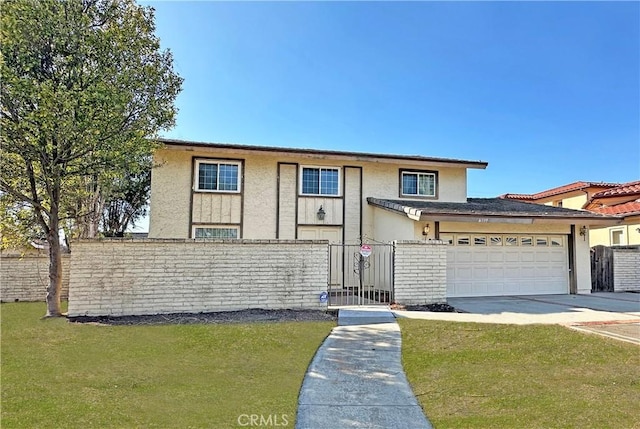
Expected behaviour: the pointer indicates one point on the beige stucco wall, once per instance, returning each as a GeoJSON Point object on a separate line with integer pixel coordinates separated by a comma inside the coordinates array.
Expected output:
{"type": "Point", "coordinates": [505, 228]}
{"type": "Point", "coordinates": [352, 205]}
{"type": "Point", "coordinates": [575, 203]}
{"type": "Point", "coordinates": [602, 236]}
{"type": "Point", "coordinates": [171, 185]}
{"type": "Point", "coordinates": [260, 193]}
{"type": "Point", "coordinates": [390, 226]}
{"type": "Point", "coordinates": [170, 194]}
{"type": "Point", "coordinates": [583, 263]}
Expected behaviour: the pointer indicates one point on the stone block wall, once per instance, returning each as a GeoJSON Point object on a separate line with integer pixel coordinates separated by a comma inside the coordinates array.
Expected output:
{"type": "Point", "coordinates": [121, 277]}
{"type": "Point", "coordinates": [420, 272]}
{"type": "Point", "coordinates": [26, 277]}
{"type": "Point", "coordinates": [626, 268]}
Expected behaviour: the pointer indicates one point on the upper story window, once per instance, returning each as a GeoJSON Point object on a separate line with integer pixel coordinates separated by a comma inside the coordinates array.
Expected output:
{"type": "Point", "coordinates": [320, 181]}
{"type": "Point", "coordinates": [217, 176]}
{"type": "Point", "coordinates": [418, 183]}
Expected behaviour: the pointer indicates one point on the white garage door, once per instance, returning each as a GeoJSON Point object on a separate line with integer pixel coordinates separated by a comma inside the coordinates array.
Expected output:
{"type": "Point", "coordinates": [506, 264]}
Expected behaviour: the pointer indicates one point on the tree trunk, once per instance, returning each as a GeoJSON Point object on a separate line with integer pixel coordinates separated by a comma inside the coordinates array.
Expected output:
{"type": "Point", "coordinates": [55, 267]}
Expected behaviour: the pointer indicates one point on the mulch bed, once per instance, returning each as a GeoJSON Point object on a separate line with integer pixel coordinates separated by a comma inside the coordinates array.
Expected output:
{"type": "Point", "coordinates": [437, 308]}
{"type": "Point", "coordinates": [241, 316]}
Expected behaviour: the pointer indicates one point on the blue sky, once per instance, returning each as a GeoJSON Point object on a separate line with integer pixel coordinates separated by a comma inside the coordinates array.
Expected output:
{"type": "Point", "coordinates": [547, 92]}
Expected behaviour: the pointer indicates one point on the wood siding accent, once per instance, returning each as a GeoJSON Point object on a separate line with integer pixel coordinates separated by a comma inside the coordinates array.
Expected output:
{"type": "Point", "coordinates": [308, 208]}
{"type": "Point", "coordinates": [216, 208]}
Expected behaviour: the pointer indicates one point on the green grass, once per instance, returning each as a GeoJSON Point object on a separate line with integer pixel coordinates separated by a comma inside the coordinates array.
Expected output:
{"type": "Point", "coordinates": [58, 374]}
{"type": "Point", "coordinates": [469, 375]}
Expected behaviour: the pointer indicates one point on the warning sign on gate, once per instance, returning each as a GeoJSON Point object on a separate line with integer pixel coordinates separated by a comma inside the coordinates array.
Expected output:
{"type": "Point", "coordinates": [365, 250]}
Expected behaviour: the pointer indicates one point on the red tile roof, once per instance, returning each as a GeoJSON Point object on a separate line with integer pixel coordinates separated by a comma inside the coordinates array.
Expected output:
{"type": "Point", "coordinates": [630, 208]}
{"type": "Point", "coordinates": [630, 188]}
{"type": "Point", "coordinates": [575, 186]}
{"type": "Point", "coordinates": [516, 197]}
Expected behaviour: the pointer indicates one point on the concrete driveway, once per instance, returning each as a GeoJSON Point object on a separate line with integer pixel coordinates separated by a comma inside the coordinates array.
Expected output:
{"type": "Point", "coordinates": [612, 314]}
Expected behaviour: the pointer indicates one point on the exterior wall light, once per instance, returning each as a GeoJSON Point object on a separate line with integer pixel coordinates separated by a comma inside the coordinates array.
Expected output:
{"type": "Point", "coordinates": [320, 213]}
{"type": "Point", "coordinates": [425, 230]}
{"type": "Point", "coordinates": [583, 232]}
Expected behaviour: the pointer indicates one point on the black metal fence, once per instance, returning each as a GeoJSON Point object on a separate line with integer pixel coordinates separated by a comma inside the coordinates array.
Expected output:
{"type": "Point", "coordinates": [358, 280]}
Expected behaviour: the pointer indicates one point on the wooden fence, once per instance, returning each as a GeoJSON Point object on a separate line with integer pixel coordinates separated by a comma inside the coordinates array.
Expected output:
{"type": "Point", "coordinates": [601, 269]}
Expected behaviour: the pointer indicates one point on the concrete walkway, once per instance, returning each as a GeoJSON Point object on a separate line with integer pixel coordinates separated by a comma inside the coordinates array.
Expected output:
{"type": "Point", "coordinates": [356, 378]}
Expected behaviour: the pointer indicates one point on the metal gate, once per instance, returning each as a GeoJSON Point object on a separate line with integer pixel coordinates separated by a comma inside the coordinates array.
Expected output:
{"type": "Point", "coordinates": [358, 280]}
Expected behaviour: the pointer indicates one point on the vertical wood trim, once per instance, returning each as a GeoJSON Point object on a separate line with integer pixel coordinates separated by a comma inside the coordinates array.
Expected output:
{"type": "Point", "coordinates": [242, 165]}
{"type": "Point", "coordinates": [344, 203]}
{"type": "Point", "coordinates": [436, 230]}
{"type": "Point", "coordinates": [278, 200]}
{"type": "Point", "coordinates": [193, 168]}
{"type": "Point", "coordinates": [295, 227]}
{"type": "Point", "coordinates": [361, 204]}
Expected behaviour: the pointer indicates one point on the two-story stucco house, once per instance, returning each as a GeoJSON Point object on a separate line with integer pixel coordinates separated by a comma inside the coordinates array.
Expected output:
{"type": "Point", "coordinates": [614, 199]}
{"type": "Point", "coordinates": [496, 246]}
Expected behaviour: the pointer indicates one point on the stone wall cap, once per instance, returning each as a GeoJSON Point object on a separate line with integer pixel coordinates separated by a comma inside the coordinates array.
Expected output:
{"type": "Point", "coordinates": [196, 240]}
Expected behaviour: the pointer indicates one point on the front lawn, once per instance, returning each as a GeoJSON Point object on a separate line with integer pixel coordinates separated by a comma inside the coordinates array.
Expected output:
{"type": "Point", "coordinates": [469, 375]}
{"type": "Point", "coordinates": [58, 374]}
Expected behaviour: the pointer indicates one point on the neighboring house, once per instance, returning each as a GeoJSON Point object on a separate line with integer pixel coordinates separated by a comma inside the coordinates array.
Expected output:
{"type": "Point", "coordinates": [614, 199]}
{"type": "Point", "coordinates": [497, 247]}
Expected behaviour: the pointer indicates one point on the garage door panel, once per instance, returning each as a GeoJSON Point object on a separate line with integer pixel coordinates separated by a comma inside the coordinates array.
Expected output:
{"type": "Point", "coordinates": [528, 271]}
{"type": "Point", "coordinates": [510, 256]}
{"type": "Point", "coordinates": [511, 272]}
{"type": "Point", "coordinates": [496, 273]}
{"type": "Point", "coordinates": [496, 256]}
{"type": "Point", "coordinates": [510, 288]}
{"type": "Point", "coordinates": [464, 256]}
{"type": "Point", "coordinates": [480, 256]}
{"type": "Point", "coordinates": [542, 257]}
{"type": "Point", "coordinates": [464, 273]}
{"type": "Point", "coordinates": [557, 256]}
{"type": "Point", "coordinates": [481, 273]}
{"type": "Point", "coordinates": [537, 267]}
{"type": "Point", "coordinates": [527, 256]}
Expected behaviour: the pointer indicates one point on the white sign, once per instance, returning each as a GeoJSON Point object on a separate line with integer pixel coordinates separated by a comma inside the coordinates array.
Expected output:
{"type": "Point", "coordinates": [365, 250]}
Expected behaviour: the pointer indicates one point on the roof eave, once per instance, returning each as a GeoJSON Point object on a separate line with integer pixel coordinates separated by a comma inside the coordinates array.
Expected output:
{"type": "Point", "coordinates": [474, 217]}
{"type": "Point", "coordinates": [323, 154]}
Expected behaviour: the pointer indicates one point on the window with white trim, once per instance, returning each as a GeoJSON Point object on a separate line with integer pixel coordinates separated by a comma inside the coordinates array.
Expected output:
{"type": "Point", "coordinates": [217, 176]}
{"type": "Point", "coordinates": [320, 181]}
{"type": "Point", "coordinates": [215, 232]}
{"type": "Point", "coordinates": [617, 237]}
{"type": "Point", "coordinates": [417, 183]}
